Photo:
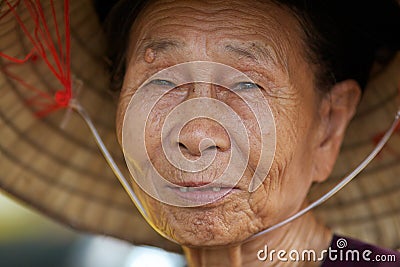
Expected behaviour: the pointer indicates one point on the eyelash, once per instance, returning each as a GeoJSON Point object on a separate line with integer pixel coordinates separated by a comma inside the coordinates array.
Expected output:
{"type": "Point", "coordinates": [238, 86]}
{"type": "Point", "coordinates": [162, 83]}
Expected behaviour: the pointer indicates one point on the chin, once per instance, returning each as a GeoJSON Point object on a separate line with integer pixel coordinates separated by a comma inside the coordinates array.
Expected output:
{"type": "Point", "coordinates": [217, 224]}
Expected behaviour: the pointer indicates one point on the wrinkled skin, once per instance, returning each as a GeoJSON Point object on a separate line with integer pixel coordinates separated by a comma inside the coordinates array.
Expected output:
{"type": "Point", "coordinates": [309, 125]}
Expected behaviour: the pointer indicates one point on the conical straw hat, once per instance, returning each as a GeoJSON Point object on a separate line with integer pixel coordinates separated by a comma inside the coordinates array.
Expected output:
{"type": "Point", "coordinates": [60, 172]}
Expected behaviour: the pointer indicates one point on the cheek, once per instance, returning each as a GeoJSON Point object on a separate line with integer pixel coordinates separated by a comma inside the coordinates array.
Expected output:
{"type": "Point", "coordinates": [157, 116]}
{"type": "Point", "coordinates": [289, 179]}
{"type": "Point", "coordinates": [247, 113]}
{"type": "Point", "coordinates": [134, 78]}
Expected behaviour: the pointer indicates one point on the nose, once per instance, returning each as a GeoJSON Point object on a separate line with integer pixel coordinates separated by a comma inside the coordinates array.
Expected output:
{"type": "Point", "coordinates": [203, 134]}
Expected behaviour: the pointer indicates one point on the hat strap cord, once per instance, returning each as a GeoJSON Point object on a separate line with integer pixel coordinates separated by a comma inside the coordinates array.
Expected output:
{"type": "Point", "coordinates": [342, 183]}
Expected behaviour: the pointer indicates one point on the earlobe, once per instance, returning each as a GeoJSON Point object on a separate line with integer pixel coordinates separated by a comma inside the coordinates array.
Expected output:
{"type": "Point", "coordinates": [337, 109]}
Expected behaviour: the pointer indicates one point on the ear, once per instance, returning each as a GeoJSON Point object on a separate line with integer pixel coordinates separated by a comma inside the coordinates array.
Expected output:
{"type": "Point", "coordinates": [336, 110]}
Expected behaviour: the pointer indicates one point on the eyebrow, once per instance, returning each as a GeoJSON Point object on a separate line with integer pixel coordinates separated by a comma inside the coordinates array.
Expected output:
{"type": "Point", "coordinates": [160, 45]}
{"type": "Point", "coordinates": [257, 52]}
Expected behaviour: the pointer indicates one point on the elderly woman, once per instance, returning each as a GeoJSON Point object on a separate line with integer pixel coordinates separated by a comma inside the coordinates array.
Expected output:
{"type": "Point", "coordinates": [292, 72]}
{"type": "Point", "coordinates": [307, 66]}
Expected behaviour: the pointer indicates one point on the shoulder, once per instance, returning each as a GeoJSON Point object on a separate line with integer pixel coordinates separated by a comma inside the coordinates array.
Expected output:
{"type": "Point", "coordinates": [348, 252]}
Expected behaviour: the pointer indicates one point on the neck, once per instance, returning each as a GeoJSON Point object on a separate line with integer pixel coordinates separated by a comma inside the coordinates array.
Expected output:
{"type": "Point", "coordinates": [304, 233]}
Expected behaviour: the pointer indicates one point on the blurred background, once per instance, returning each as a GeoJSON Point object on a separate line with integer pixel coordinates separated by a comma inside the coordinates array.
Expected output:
{"type": "Point", "coordinates": [28, 239]}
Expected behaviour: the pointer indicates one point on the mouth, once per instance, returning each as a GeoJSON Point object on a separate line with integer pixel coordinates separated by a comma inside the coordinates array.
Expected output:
{"type": "Point", "coordinates": [202, 193]}
{"type": "Point", "coordinates": [204, 189]}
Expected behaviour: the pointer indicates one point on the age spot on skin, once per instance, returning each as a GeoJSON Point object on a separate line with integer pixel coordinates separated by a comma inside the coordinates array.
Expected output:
{"type": "Point", "coordinates": [149, 55]}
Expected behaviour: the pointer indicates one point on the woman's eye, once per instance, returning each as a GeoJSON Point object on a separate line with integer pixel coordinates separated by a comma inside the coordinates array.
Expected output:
{"type": "Point", "coordinates": [244, 86]}
{"type": "Point", "coordinates": [162, 83]}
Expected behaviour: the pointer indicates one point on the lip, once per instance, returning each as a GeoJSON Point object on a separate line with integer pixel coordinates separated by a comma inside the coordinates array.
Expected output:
{"type": "Point", "coordinates": [201, 193]}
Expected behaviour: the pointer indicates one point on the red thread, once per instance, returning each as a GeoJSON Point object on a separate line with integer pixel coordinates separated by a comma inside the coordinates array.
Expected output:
{"type": "Point", "coordinates": [62, 98]}
{"type": "Point", "coordinates": [8, 11]}
{"type": "Point", "coordinates": [53, 53]}
{"type": "Point", "coordinates": [34, 57]}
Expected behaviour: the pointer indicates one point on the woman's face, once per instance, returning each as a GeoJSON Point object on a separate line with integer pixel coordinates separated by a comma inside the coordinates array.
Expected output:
{"type": "Point", "coordinates": [264, 42]}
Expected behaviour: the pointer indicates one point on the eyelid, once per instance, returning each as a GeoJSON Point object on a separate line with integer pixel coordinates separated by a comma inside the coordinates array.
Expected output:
{"type": "Point", "coordinates": [236, 86]}
{"type": "Point", "coordinates": [162, 82]}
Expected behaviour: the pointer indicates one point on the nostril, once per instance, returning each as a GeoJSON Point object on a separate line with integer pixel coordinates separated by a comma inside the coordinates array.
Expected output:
{"type": "Point", "coordinates": [185, 150]}
{"type": "Point", "coordinates": [189, 153]}
{"type": "Point", "coordinates": [182, 146]}
{"type": "Point", "coordinates": [208, 144]}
